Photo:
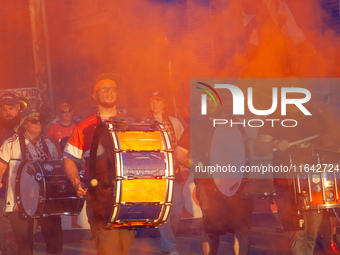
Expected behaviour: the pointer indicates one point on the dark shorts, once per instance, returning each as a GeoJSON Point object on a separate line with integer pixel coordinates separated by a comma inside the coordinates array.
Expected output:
{"type": "Point", "coordinates": [220, 214]}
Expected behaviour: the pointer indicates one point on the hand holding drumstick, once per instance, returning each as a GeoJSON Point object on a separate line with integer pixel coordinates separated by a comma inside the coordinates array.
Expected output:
{"type": "Point", "coordinates": [283, 145]}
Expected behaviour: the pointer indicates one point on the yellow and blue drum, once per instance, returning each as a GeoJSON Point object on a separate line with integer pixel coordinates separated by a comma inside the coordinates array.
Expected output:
{"type": "Point", "coordinates": [131, 174]}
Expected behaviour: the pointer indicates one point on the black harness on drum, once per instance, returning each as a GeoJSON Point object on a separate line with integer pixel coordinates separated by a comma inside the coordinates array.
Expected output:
{"type": "Point", "coordinates": [24, 151]}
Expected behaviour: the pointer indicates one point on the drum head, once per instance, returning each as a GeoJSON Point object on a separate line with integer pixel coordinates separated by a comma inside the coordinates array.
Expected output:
{"type": "Point", "coordinates": [227, 150]}
{"type": "Point", "coordinates": [28, 188]}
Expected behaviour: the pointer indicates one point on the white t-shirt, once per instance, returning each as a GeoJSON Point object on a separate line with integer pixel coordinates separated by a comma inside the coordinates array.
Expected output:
{"type": "Point", "coordinates": [10, 153]}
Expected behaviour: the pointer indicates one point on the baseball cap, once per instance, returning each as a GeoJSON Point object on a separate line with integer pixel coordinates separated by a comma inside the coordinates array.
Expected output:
{"type": "Point", "coordinates": [157, 95]}
{"type": "Point", "coordinates": [64, 105]}
{"type": "Point", "coordinates": [112, 77]}
{"type": "Point", "coordinates": [8, 98]}
{"type": "Point", "coordinates": [26, 114]}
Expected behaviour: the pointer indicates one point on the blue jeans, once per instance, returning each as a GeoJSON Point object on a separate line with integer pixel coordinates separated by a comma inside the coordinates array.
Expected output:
{"type": "Point", "coordinates": [301, 242]}
{"type": "Point", "coordinates": [168, 230]}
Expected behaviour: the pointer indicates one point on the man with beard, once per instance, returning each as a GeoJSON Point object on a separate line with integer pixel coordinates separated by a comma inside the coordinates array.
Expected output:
{"type": "Point", "coordinates": [9, 119]}
{"type": "Point", "coordinates": [9, 114]}
{"type": "Point", "coordinates": [108, 241]}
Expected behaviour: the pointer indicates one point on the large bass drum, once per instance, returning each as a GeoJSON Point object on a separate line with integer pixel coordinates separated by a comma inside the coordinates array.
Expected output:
{"type": "Point", "coordinates": [131, 174]}
{"type": "Point", "coordinates": [42, 189]}
{"type": "Point", "coordinates": [231, 148]}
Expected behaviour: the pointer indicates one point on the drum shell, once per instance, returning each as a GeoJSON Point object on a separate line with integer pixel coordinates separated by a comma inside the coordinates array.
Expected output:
{"type": "Point", "coordinates": [315, 191]}
{"type": "Point", "coordinates": [318, 187]}
{"type": "Point", "coordinates": [134, 178]}
{"type": "Point", "coordinates": [53, 193]}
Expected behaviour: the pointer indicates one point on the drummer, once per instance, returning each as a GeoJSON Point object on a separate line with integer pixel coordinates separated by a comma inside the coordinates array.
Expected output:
{"type": "Point", "coordinates": [29, 144]}
{"type": "Point", "coordinates": [301, 230]}
{"type": "Point", "coordinates": [219, 214]}
{"type": "Point", "coordinates": [108, 241]}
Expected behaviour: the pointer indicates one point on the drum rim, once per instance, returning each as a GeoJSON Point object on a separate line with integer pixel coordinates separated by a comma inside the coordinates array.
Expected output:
{"type": "Point", "coordinates": [18, 191]}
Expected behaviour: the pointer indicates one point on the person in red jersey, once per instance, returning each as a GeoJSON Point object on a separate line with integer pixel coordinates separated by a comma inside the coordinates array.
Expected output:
{"type": "Point", "coordinates": [108, 241]}
{"type": "Point", "coordinates": [65, 125]}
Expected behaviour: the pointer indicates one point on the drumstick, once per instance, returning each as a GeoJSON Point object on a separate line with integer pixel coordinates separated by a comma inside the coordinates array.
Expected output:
{"type": "Point", "coordinates": [300, 141]}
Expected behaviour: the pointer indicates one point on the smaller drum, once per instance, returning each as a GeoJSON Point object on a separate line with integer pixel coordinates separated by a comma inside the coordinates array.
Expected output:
{"type": "Point", "coordinates": [318, 187]}
{"type": "Point", "coordinates": [43, 189]}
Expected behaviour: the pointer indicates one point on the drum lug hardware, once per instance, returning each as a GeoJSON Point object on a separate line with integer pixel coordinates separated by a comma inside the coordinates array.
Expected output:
{"type": "Point", "coordinates": [120, 178]}
{"type": "Point", "coordinates": [168, 203]}
{"type": "Point", "coordinates": [38, 177]}
{"type": "Point", "coordinates": [158, 203]}
{"type": "Point", "coordinates": [158, 177]}
{"type": "Point", "coordinates": [131, 178]}
{"type": "Point", "coordinates": [172, 177]}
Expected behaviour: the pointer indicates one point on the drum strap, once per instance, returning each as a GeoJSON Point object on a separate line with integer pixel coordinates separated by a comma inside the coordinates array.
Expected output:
{"type": "Point", "coordinates": [171, 131]}
{"type": "Point", "coordinates": [24, 150]}
{"type": "Point", "coordinates": [99, 118]}
{"type": "Point", "coordinates": [23, 147]}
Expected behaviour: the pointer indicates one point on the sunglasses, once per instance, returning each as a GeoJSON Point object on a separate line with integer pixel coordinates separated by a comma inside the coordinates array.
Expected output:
{"type": "Point", "coordinates": [34, 121]}
{"type": "Point", "coordinates": [108, 89]}
{"type": "Point", "coordinates": [66, 110]}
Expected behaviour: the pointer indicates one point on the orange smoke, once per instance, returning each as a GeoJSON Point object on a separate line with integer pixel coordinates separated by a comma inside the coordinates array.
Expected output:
{"type": "Point", "coordinates": [157, 45]}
